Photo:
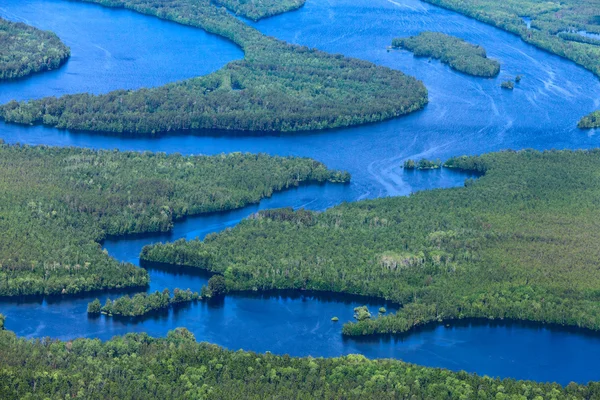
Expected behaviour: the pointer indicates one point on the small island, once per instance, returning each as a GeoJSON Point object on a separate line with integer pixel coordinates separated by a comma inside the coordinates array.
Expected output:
{"type": "Point", "coordinates": [458, 54]}
{"type": "Point", "coordinates": [509, 85]}
{"type": "Point", "coordinates": [142, 303]}
{"type": "Point", "coordinates": [590, 121]}
{"type": "Point", "coordinates": [422, 164]}
{"type": "Point", "coordinates": [259, 9]}
{"type": "Point", "coordinates": [25, 50]}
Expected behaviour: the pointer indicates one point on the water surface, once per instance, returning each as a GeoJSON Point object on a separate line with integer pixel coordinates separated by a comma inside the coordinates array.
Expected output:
{"type": "Point", "coordinates": [120, 49]}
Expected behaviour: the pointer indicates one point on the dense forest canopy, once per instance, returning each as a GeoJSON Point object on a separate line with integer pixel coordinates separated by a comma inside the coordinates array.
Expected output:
{"type": "Point", "coordinates": [137, 366]}
{"type": "Point", "coordinates": [25, 50]}
{"type": "Point", "coordinates": [276, 87]}
{"type": "Point", "coordinates": [258, 9]}
{"type": "Point", "coordinates": [56, 204]}
{"type": "Point", "coordinates": [460, 55]}
{"type": "Point", "coordinates": [590, 121]}
{"type": "Point", "coordinates": [142, 303]}
{"type": "Point", "coordinates": [520, 242]}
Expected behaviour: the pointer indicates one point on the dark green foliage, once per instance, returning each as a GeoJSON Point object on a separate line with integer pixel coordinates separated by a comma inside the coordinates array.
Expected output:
{"type": "Point", "coordinates": [460, 55]}
{"type": "Point", "coordinates": [518, 78]}
{"type": "Point", "coordinates": [510, 85]}
{"type": "Point", "coordinates": [423, 163]}
{"type": "Point", "coordinates": [25, 50]}
{"type": "Point", "coordinates": [258, 9]}
{"type": "Point", "coordinates": [575, 37]}
{"type": "Point", "coordinates": [137, 366]}
{"type": "Point", "coordinates": [276, 87]}
{"type": "Point", "coordinates": [142, 303]}
{"type": "Point", "coordinates": [56, 205]}
{"type": "Point", "coordinates": [2, 319]}
{"type": "Point", "coordinates": [520, 242]}
{"type": "Point", "coordinates": [217, 286]}
{"type": "Point", "coordinates": [547, 20]}
{"type": "Point", "coordinates": [95, 307]}
{"type": "Point", "coordinates": [590, 121]}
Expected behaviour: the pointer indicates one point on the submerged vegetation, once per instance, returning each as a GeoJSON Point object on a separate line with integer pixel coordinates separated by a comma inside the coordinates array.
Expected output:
{"type": "Point", "coordinates": [519, 242]}
{"type": "Point", "coordinates": [177, 367]}
{"type": "Point", "coordinates": [258, 9]}
{"type": "Point", "coordinates": [276, 87]}
{"type": "Point", "coordinates": [57, 204]}
{"type": "Point", "coordinates": [142, 303]}
{"type": "Point", "coordinates": [458, 54]}
{"type": "Point", "coordinates": [590, 121]}
{"type": "Point", "coordinates": [25, 50]}
{"type": "Point", "coordinates": [510, 85]}
{"type": "Point", "coordinates": [423, 163]}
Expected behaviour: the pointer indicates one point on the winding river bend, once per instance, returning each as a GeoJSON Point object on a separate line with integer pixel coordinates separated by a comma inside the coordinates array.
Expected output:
{"type": "Point", "coordinates": [113, 49]}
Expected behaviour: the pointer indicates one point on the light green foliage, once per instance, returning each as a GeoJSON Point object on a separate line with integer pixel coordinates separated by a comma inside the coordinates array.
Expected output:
{"type": "Point", "coordinates": [57, 204]}
{"type": "Point", "coordinates": [137, 366]}
{"type": "Point", "coordinates": [258, 9]}
{"type": "Point", "coordinates": [25, 50]}
{"type": "Point", "coordinates": [423, 163]}
{"type": "Point", "coordinates": [276, 87]}
{"type": "Point", "coordinates": [460, 55]}
{"type": "Point", "coordinates": [520, 242]}
{"type": "Point", "coordinates": [142, 303]}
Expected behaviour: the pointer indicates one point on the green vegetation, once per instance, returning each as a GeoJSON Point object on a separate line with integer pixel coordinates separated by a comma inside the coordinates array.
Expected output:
{"type": "Point", "coordinates": [510, 85]}
{"type": "Point", "coordinates": [25, 50]}
{"type": "Point", "coordinates": [362, 313]}
{"type": "Point", "coordinates": [56, 205]}
{"type": "Point", "coordinates": [423, 163]}
{"type": "Point", "coordinates": [142, 303]}
{"type": "Point", "coordinates": [276, 87]}
{"type": "Point", "coordinates": [590, 121]}
{"type": "Point", "coordinates": [258, 9]}
{"type": "Point", "coordinates": [548, 19]}
{"type": "Point", "coordinates": [335, 319]}
{"type": "Point", "coordinates": [575, 37]}
{"type": "Point", "coordinates": [137, 366]}
{"type": "Point", "coordinates": [521, 242]}
{"type": "Point", "coordinates": [460, 55]}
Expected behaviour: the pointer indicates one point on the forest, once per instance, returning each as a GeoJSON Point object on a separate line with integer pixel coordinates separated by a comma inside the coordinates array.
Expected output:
{"type": "Point", "coordinates": [520, 242]}
{"type": "Point", "coordinates": [259, 9]}
{"type": "Point", "coordinates": [575, 37]}
{"type": "Point", "coordinates": [276, 87]}
{"type": "Point", "coordinates": [137, 366]}
{"type": "Point", "coordinates": [58, 204]}
{"type": "Point", "coordinates": [25, 50]}
{"type": "Point", "coordinates": [458, 54]}
{"type": "Point", "coordinates": [590, 121]}
{"type": "Point", "coordinates": [142, 303]}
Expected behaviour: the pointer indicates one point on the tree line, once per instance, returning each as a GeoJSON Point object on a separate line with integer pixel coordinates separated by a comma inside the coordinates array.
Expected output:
{"type": "Point", "coordinates": [457, 53]}
{"type": "Point", "coordinates": [259, 9]}
{"type": "Point", "coordinates": [276, 87]}
{"type": "Point", "coordinates": [58, 204]}
{"type": "Point", "coordinates": [518, 243]}
{"type": "Point", "coordinates": [137, 366]}
{"type": "Point", "coordinates": [25, 50]}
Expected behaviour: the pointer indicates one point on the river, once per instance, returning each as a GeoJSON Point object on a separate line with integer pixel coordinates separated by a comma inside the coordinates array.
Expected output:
{"type": "Point", "coordinates": [113, 49]}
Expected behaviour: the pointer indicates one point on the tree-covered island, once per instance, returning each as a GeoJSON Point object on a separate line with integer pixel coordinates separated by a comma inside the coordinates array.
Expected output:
{"type": "Point", "coordinates": [458, 54]}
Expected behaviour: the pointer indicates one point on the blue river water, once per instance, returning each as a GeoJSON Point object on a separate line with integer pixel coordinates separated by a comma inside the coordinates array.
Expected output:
{"type": "Point", "coordinates": [113, 49]}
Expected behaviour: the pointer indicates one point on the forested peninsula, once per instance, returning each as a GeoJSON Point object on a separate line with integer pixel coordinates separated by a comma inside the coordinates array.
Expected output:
{"type": "Point", "coordinates": [25, 50]}
{"type": "Point", "coordinates": [57, 204]}
{"type": "Point", "coordinates": [276, 87]}
{"type": "Point", "coordinates": [520, 243]}
{"type": "Point", "coordinates": [458, 54]}
{"type": "Point", "coordinates": [137, 366]}
{"type": "Point", "coordinates": [259, 9]}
